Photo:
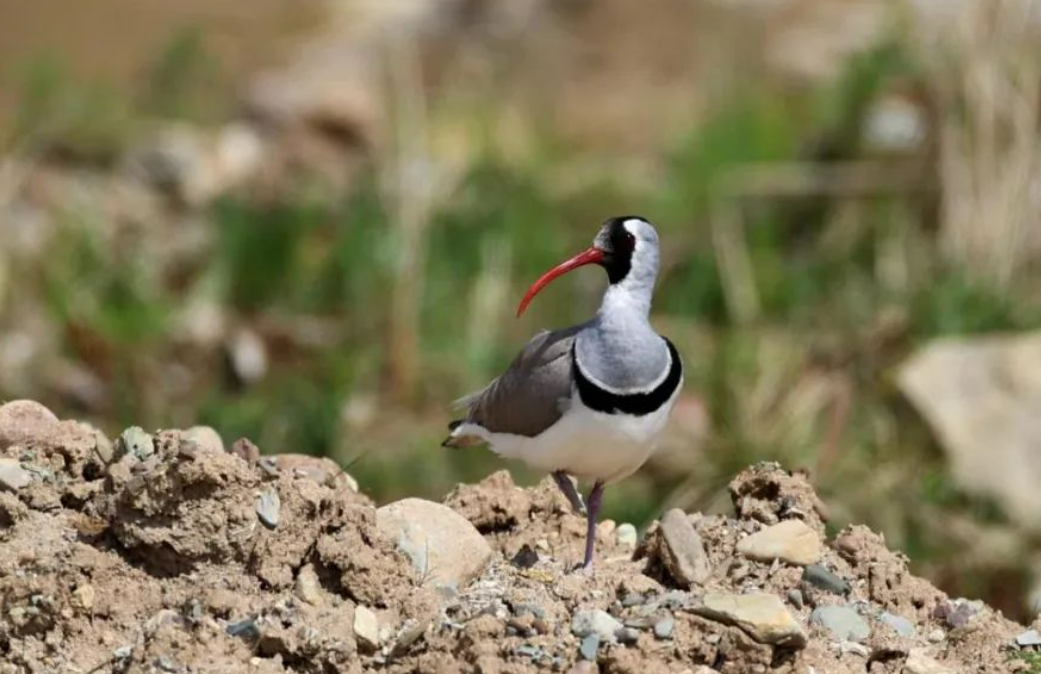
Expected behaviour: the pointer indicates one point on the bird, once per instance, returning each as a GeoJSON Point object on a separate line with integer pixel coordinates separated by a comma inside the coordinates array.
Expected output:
{"type": "Point", "coordinates": [588, 401]}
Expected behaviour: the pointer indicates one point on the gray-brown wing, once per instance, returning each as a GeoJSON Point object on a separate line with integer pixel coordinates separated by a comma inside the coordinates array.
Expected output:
{"type": "Point", "coordinates": [533, 392]}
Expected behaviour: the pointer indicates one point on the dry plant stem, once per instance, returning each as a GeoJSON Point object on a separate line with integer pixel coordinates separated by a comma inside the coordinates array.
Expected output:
{"type": "Point", "coordinates": [772, 180]}
{"type": "Point", "coordinates": [410, 190]}
{"type": "Point", "coordinates": [988, 82]}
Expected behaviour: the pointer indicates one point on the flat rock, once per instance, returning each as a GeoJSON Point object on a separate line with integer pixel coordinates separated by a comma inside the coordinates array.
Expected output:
{"type": "Point", "coordinates": [1028, 638]}
{"type": "Point", "coordinates": [597, 622]}
{"type": "Point", "coordinates": [12, 476]}
{"type": "Point", "coordinates": [790, 541]}
{"type": "Point", "coordinates": [763, 616]}
{"type": "Point", "coordinates": [843, 622]}
{"type": "Point", "coordinates": [445, 549]}
{"type": "Point", "coordinates": [681, 549]}
{"type": "Point", "coordinates": [23, 422]}
{"type": "Point", "coordinates": [919, 663]}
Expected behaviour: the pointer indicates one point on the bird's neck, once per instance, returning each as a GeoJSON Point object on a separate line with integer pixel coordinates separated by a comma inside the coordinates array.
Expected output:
{"type": "Point", "coordinates": [626, 302]}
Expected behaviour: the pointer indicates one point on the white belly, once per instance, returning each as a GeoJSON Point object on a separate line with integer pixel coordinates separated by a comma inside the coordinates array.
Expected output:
{"type": "Point", "coordinates": [588, 444]}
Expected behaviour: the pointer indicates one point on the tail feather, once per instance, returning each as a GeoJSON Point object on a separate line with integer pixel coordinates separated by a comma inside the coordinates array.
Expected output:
{"type": "Point", "coordinates": [459, 440]}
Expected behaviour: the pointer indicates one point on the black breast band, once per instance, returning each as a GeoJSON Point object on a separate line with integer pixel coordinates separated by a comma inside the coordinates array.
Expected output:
{"type": "Point", "coordinates": [636, 404]}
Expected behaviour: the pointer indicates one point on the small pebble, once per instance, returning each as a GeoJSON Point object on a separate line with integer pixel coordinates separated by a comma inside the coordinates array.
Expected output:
{"type": "Point", "coordinates": [269, 466]}
{"type": "Point", "coordinates": [795, 598]}
{"type": "Point", "coordinates": [632, 599]}
{"type": "Point", "coordinates": [307, 587]}
{"type": "Point", "coordinates": [936, 636]}
{"type": "Point", "coordinates": [83, 597]}
{"type": "Point", "coordinates": [819, 577]}
{"type": "Point", "coordinates": [1028, 638]}
{"type": "Point", "coordinates": [243, 628]}
{"type": "Point", "coordinates": [269, 506]}
{"type": "Point", "coordinates": [366, 627]}
{"type": "Point", "coordinates": [599, 623]}
{"type": "Point", "coordinates": [626, 535]}
{"type": "Point", "coordinates": [590, 645]}
{"type": "Point", "coordinates": [628, 635]}
{"type": "Point", "coordinates": [898, 624]}
{"type": "Point", "coordinates": [137, 442]}
{"type": "Point", "coordinates": [123, 652]}
{"type": "Point", "coordinates": [663, 628]}
{"type": "Point", "coordinates": [843, 622]}
{"type": "Point", "coordinates": [12, 476]}
{"type": "Point", "coordinates": [166, 664]}
{"type": "Point", "coordinates": [529, 651]}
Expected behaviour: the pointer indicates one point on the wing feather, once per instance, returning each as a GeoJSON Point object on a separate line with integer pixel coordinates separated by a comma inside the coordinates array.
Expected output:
{"type": "Point", "coordinates": [533, 393]}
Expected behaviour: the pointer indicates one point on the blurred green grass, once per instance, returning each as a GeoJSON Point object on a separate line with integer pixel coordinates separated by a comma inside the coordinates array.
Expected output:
{"type": "Point", "coordinates": [808, 383]}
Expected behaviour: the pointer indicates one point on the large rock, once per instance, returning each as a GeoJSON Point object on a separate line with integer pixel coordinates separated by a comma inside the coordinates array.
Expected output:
{"type": "Point", "coordinates": [789, 541]}
{"type": "Point", "coordinates": [446, 550]}
{"type": "Point", "coordinates": [982, 398]}
{"type": "Point", "coordinates": [763, 616]}
{"type": "Point", "coordinates": [24, 422]}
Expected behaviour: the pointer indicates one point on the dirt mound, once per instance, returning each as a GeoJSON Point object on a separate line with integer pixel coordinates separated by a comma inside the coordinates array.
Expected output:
{"type": "Point", "coordinates": [165, 553]}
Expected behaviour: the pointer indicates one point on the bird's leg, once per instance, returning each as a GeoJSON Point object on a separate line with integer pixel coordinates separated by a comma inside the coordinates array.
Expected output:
{"type": "Point", "coordinates": [568, 487]}
{"type": "Point", "coordinates": [593, 510]}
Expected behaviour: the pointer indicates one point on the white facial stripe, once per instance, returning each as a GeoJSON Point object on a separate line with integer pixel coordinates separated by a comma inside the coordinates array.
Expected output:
{"type": "Point", "coordinates": [633, 389]}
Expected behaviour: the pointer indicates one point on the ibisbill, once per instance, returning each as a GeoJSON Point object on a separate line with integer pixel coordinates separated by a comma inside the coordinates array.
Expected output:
{"type": "Point", "coordinates": [591, 400]}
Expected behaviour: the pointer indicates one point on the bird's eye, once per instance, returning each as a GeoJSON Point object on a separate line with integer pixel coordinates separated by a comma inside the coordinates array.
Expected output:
{"type": "Point", "coordinates": [630, 240]}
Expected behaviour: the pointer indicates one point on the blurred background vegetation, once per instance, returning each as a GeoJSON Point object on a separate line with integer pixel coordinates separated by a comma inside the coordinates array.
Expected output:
{"type": "Point", "coordinates": [308, 223]}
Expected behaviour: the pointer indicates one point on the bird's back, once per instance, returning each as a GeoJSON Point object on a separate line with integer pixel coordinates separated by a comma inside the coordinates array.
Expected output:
{"type": "Point", "coordinates": [530, 395]}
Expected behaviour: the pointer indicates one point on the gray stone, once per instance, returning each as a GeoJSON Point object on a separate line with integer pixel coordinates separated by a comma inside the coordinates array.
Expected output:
{"type": "Point", "coordinates": [762, 616]}
{"type": "Point", "coordinates": [1028, 638]}
{"type": "Point", "coordinates": [366, 628]}
{"type": "Point", "coordinates": [24, 422]}
{"type": "Point", "coordinates": [790, 541]}
{"type": "Point", "coordinates": [137, 442]}
{"type": "Point", "coordinates": [626, 535]}
{"type": "Point", "coordinates": [12, 476]}
{"type": "Point", "coordinates": [597, 622]}
{"type": "Point", "coordinates": [897, 623]}
{"type": "Point", "coordinates": [843, 622]}
{"type": "Point", "coordinates": [590, 645]}
{"type": "Point", "coordinates": [663, 628]}
{"type": "Point", "coordinates": [628, 635]}
{"type": "Point", "coordinates": [681, 549]}
{"type": "Point", "coordinates": [819, 577]}
{"type": "Point", "coordinates": [795, 598]}
{"type": "Point", "coordinates": [269, 507]}
{"type": "Point", "coordinates": [445, 549]}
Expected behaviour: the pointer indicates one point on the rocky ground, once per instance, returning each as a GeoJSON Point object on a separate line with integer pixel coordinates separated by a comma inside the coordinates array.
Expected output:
{"type": "Point", "coordinates": [166, 552]}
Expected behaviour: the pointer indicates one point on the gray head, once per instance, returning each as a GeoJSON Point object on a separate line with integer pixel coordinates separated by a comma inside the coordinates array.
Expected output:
{"type": "Point", "coordinates": [626, 247]}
